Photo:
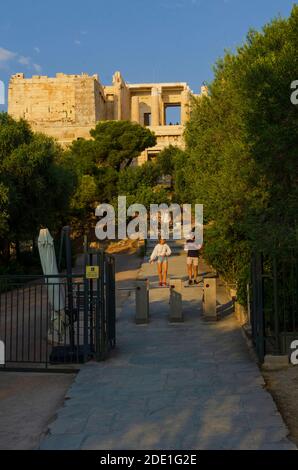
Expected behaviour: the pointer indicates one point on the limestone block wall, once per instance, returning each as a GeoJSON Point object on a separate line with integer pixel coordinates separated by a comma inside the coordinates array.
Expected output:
{"type": "Point", "coordinates": [100, 101]}
{"type": "Point", "coordinates": [65, 107]}
{"type": "Point", "coordinates": [41, 99]}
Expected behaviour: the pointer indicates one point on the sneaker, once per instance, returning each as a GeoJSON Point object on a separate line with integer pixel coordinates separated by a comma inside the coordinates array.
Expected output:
{"type": "Point", "coordinates": [160, 284]}
{"type": "Point", "coordinates": [196, 282]}
{"type": "Point", "coordinates": [190, 282]}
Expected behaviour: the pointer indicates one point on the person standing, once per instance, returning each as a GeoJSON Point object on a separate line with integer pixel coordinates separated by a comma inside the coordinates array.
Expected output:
{"type": "Point", "coordinates": [160, 254]}
{"type": "Point", "coordinates": [193, 252]}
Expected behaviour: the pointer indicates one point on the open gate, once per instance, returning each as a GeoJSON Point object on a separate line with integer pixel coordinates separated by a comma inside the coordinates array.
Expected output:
{"type": "Point", "coordinates": [57, 321]}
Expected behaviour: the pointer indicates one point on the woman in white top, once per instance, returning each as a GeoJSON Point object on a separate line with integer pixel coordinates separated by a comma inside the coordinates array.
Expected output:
{"type": "Point", "coordinates": [161, 253]}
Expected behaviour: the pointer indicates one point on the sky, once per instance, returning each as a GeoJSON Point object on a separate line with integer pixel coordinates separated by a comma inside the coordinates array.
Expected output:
{"type": "Point", "coordinates": [147, 40]}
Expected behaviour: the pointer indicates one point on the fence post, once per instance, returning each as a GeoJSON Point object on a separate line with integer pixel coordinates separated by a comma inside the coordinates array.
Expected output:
{"type": "Point", "coordinates": [258, 312]}
{"type": "Point", "coordinates": [142, 301]}
{"type": "Point", "coordinates": [275, 300]}
{"type": "Point", "coordinates": [103, 311]}
{"type": "Point", "coordinates": [176, 314]}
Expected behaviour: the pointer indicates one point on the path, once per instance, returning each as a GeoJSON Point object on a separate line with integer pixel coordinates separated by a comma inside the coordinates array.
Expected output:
{"type": "Point", "coordinates": [171, 386]}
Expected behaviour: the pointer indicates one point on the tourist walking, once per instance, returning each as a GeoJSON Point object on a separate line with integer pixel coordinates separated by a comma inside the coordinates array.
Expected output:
{"type": "Point", "coordinates": [193, 252]}
{"type": "Point", "coordinates": [160, 254]}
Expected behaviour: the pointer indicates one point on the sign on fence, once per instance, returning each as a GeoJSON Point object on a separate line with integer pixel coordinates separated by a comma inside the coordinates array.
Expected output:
{"type": "Point", "coordinates": [92, 272]}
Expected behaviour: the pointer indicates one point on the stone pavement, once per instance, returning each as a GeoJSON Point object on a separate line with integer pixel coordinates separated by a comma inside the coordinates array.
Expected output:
{"type": "Point", "coordinates": [171, 386]}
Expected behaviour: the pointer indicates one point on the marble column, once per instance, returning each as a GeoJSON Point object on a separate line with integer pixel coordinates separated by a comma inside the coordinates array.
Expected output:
{"type": "Point", "coordinates": [118, 102]}
{"type": "Point", "coordinates": [135, 109]}
{"type": "Point", "coordinates": [155, 105]}
{"type": "Point", "coordinates": [185, 109]}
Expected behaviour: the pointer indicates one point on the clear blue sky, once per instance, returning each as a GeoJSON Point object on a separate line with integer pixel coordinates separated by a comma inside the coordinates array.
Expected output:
{"type": "Point", "coordinates": [147, 40]}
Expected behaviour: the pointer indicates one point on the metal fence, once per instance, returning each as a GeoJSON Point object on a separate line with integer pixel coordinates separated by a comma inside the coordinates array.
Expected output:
{"type": "Point", "coordinates": [50, 321]}
{"type": "Point", "coordinates": [274, 303]}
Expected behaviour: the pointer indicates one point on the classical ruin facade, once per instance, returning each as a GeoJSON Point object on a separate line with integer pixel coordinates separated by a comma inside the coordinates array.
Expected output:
{"type": "Point", "coordinates": [67, 107]}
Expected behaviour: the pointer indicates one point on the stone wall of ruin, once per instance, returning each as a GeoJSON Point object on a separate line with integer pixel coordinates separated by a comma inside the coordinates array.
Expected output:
{"type": "Point", "coordinates": [65, 107]}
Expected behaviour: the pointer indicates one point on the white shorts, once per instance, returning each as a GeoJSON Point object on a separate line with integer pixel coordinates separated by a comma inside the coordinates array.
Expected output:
{"type": "Point", "coordinates": [192, 261]}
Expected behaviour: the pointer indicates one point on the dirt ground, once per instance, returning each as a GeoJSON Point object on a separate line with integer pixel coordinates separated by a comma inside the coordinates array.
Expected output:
{"type": "Point", "coordinates": [29, 401]}
{"type": "Point", "coordinates": [283, 385]}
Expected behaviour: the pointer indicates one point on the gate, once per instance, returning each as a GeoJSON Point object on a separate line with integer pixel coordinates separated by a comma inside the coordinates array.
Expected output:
{"type": "Point", "coordinates": [58, 321]}
{"type": "Point", "coordinates": [274, 304]}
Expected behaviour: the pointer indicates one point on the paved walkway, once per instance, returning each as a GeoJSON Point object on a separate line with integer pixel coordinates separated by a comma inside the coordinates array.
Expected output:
{"type": "Point", "coordinates": [171, 386]}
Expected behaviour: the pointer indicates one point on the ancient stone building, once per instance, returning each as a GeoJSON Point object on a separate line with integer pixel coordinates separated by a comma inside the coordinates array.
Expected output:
{"type": "Point", "coordinates": [68, 106]}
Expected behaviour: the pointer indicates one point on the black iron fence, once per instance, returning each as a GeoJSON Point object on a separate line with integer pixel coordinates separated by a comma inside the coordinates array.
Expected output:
{"type": "Point", "coordinates": [48, 321]}
{"type": "Point", "coordinates": [111, 300]}
{"type": "Point", "coordinates": [274, 303]}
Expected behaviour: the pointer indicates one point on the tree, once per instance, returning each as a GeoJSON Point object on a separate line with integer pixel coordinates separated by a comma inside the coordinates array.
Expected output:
{"type": "Point", "coordinates": [12, 134]}
{"type": "Point", "coordinates": [35, 187]}
{"type": "Point", "coordinates": [115, 144]}
{"type": "Point", "coordinates": [3, 210]}
{"type": "Point", "coordinates": [172, 162]}
{"type": "Point", "coordinates": [131, 178]}
{"type": "Point", "coordinates": [119, 142]}
{"type": "Point", "coordinates": [169, 159]}
{"type": "Point", "coordinates": [39, 188]}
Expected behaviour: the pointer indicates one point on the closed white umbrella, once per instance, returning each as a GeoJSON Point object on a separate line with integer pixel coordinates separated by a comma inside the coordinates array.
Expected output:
{"type": "Point", "coordinates": [56, 293]}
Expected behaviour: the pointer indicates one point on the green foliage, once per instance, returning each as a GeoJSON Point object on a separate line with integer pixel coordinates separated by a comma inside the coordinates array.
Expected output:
{"type": "Point", "coordinates": [117, 143]}
{"type": "Point", "coordinates": [166, 159]}
{"type": "Point", "coordinates": [131, 178]}
{"type": "Point", "coordinates": [171, 161]}
{"type": "Point", "coordinates": [147, 195]}
{"type": "Point", "coordinates": [39, 188]}
{"type": "Point", "coordinates": [86, 191]}
{"type": "Point", "coordinates": [3, 209]}
{"type": "Point", "coordinates": [34, 186]}
{"type": "Point", "coordinates": [12, 134]}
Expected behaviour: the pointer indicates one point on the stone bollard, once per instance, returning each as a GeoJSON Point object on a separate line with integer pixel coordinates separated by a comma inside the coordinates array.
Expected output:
{"type": "Point", "coordinates": [209, 298]}
{"type": "Point", "coordinates": [142, 301]}
{"type": "Point", "coordinates": [176, 314]}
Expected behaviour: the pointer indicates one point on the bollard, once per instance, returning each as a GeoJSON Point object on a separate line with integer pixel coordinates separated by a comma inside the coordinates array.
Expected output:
{"type": "Point", "coordinates": [142, 301]}
{"type": "Point", "coordinates": [209, 298]}
{"type": "Point", "coordinates": [176, 314]}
